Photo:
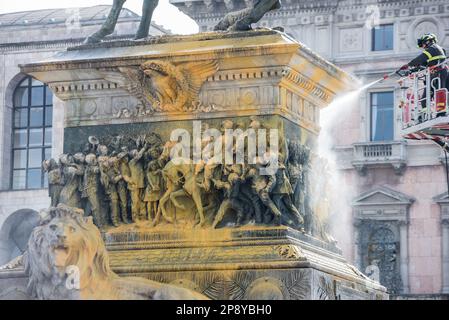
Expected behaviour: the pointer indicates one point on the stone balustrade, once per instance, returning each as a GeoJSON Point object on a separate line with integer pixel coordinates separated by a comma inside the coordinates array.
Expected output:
{"type": "Point", "coordinates": [375, 154]}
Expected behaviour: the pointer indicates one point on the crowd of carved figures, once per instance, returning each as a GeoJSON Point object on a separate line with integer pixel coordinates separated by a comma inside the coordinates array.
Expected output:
{"type": "Point", "coordinates": [133, 180]}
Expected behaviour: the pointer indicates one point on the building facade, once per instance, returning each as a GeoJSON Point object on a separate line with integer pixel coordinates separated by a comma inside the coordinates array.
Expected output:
{"type": "Point", "coordinates": [395, 192]}
{"type": "Point", "coordinates": [31, 119]}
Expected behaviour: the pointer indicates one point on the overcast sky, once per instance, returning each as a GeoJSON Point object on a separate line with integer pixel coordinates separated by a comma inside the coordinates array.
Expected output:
{"type": "Point", "coordinates": [166, 14]}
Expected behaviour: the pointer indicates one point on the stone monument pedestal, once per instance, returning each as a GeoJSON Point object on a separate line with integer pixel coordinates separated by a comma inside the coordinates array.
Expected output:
{"type": "Point", "coordinates": [124, 92]}
{"type": "Point", "coordinates": [241, 263]}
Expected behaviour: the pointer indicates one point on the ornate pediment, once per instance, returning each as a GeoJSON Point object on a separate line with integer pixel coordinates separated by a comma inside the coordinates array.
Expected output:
{"type": "Point", "coordinates": [383, 196]}
{"type": "Point", "coordinates": [442, 198]}
{"type": "Point", "coordinates": [383, 203]}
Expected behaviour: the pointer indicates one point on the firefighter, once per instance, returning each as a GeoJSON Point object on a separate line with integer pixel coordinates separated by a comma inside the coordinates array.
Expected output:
{"type": "Point", "coordinates": [432, 55]}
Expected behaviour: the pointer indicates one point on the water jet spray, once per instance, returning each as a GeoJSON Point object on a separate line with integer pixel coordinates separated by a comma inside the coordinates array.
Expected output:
{"type": "Point", "coordinates": [385, 77]}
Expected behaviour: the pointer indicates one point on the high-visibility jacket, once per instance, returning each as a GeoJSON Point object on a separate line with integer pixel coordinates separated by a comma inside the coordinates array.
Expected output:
{"type": "Point", "coordinates": [430, 57]}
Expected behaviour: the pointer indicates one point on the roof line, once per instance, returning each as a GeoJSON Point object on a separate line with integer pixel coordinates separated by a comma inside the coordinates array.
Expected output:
{"type": "Point", "coordinates": [52, 12]}
{"type": "Point", "coordinates": [42, 16]}
{"type": "Point", "coordinates": [25, 13]}
{"type": "Point", "coordinates": [33, 11]}
{"type": "Point", "coordinates": [102, 12]}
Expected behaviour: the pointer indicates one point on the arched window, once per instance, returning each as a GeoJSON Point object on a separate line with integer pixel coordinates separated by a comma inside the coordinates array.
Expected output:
{"type": "Point", "coordinates": [32, 134]}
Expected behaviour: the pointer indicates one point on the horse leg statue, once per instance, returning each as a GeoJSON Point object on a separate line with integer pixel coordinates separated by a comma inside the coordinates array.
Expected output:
{"type": "Point", "coordinates": [108, 26]}
{"type": "Point", "coordinates": [242, 20]}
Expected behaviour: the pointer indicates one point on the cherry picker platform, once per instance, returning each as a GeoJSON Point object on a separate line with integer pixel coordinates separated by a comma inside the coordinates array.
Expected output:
{"type": "Point", "coordinates": [424, 104]}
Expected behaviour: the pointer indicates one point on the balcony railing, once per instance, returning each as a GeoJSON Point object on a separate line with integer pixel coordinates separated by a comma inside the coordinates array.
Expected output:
{"type": "Point", "coordinates": [377, 151]}
{"type": "Point", "coordinates": [380, 154]}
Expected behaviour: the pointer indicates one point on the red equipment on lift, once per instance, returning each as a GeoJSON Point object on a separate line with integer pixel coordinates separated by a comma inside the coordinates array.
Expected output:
{"type": "Point", "coordinates": [431, 122]}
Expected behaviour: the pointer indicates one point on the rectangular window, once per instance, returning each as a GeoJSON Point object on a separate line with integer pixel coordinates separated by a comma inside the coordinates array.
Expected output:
{"type": "Point", "coordinates": [383, 37]}
{"type": "Point", "coordinates": [382, 116]}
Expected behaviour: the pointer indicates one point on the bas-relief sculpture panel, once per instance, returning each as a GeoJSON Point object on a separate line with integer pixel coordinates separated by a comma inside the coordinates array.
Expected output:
{"type": "Point", "coordinates": [149, 146]}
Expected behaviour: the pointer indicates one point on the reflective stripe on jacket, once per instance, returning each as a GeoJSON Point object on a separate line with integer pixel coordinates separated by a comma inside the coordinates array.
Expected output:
{"type": "Point", "coordinates": [430, 57]}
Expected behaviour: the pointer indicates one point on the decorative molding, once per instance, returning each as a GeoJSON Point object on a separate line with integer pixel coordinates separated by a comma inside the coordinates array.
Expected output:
{"type": "Point", "coordinates": [399, 168]}
{"type": "Point", "coordinates": [65, 90]}
{"type": "Point", "coordinates": [190, 85]}
{"type": "Point", "coordinates": [232, 75]}
{"type": "Point", "coordinates": [343, 12]}
{"type": "Point", "coordinates": [361, 169]}
{"type": "Point", "coordinates": [288, 74]}
{"type": "Point", "coordinates": [395, 198]}
{"type": "Point", "coordinates": [290, 252]}
{"type": "Point", "coordinates": [258, 289]}
{"type": "Point", "coordinates": [442, 198]}
{"type": "Point", "coordinates": [324, 287]}
{"type": "Point", "coordinates": [403, 223]}
{"type": "Point", "coordinates": [307, 84]}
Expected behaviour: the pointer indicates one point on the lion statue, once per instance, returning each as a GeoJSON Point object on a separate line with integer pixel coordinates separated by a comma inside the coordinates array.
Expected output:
{"type": "Point", "coordinates": [67, 259]}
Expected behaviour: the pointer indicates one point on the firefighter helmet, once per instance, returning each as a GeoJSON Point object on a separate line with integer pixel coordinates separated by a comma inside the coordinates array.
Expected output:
{"type": "Point", "coordinates": [428, 37]}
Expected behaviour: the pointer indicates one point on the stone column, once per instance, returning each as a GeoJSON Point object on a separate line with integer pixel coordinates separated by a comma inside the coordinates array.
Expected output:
{"type": "Point", "coordinates": [403, 234]}
{"type": "Point", "coordinates": [445, 254]}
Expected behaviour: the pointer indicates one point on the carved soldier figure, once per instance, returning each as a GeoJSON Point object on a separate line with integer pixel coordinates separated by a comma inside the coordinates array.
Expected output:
{"type": "Point", "coordinates": [110, 181]}
{"type": "Point", "coordinates": [80, 161]}
{"type": "Point", "coordinates": [116, 144]}
{"type": "Point", "coordinates": [92, 187]}
{"type": "Point", "coordinates": [154, 189]}
{"type": "Point", "coordinates": [92, 145]}
{"type": "Point", "coordinates": [305, 188]}
{"type": "Point", "coordinates": [109, 25]}
{"type": "Point", "coordinates": [186, 185]}
{"type": "Point", "coordinates": [54, 180]}
{"type": "Point", "coordinates": [122, 187]}
{"type": "Point", "coordinates": [102, 154]}
{"type": "Point", "coordinates": [294, 170]}
{"type": "Point", "coordinates": [71, 174]}
{"type": "Point", "coordinates": [262, 185]}
{"type": "Point", "coordinates": [210, 164]}
{"type": "Point", "coordinates": [231, 182]}
{"type": "Point", "coordinates": [136, 182]}
{"type": "Point", "coordinates": [242, 20]}
{"type": "Point", "coordinates": [283, 191]}
{"type": "Point", "coordinates": [103, 160]}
